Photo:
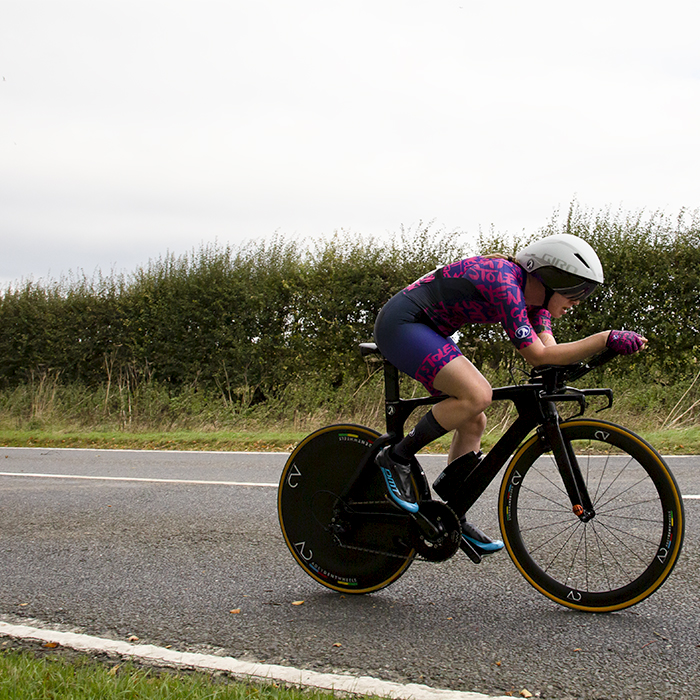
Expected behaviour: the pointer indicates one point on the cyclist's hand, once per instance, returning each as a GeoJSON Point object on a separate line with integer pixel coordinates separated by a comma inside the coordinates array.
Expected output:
{"type": "Point", "coordinates": [625, 342]}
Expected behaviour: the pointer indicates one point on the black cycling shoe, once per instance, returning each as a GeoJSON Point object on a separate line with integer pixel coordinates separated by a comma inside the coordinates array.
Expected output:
{"type": "Point", "coordinates": [398, 480]}
{"type": "Point", "coordinates": [480, 541]}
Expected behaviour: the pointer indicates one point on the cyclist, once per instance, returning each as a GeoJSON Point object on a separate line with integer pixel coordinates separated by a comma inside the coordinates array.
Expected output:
{"type": "Point", "coordinates": [545, 280]}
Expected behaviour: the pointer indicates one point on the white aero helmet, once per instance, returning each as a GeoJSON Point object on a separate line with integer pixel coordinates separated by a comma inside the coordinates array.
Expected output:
{"type": "Point", "coordinates": [563, 263]}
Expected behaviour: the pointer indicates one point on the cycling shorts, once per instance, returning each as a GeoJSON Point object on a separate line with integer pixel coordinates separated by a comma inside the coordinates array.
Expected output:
{"type": "Point", "coordinates": [408, 339]}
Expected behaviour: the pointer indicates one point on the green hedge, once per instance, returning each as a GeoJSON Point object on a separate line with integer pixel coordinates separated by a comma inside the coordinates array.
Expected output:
{"type": "Point", "coordinates": [252, 320]}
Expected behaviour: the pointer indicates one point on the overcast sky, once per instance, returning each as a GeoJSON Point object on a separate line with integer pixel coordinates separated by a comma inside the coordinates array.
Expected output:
{"type": "Point", "coordinates": [130, 129]}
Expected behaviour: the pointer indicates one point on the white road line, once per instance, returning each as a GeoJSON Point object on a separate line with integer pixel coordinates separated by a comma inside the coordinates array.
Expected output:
{"type": "Point", "coordinates": [342, 683]}
{"type": "Point", "coordinates": [178, 481]}
{"type": "Point", "coordinates": [136, 478]}
{"type": "Point", "coordinates": [142, 451]}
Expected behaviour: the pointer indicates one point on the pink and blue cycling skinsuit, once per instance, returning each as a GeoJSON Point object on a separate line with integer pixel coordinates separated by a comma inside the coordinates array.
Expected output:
{"type": "Point", "coordinates": [413, 328]}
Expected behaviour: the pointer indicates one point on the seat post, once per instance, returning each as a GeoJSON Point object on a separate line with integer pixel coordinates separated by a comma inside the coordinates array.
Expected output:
{"type": "Point", "coordinates": [396, 410]}
{"type": "Point", "coordinates": [392, 400]}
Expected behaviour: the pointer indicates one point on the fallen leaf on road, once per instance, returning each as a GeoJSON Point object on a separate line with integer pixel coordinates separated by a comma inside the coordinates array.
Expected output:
{"type": "Point", "coordinates": [337, 644]}
{"type": "Point", "coordinates": [133, 638]}
{"type": "Point", "coordinates": [526, 693]}
{"type": "Point", "coordinates": [50, 645]}
{"type": "Point", "coordinates": [235, 611]}
{"type": "Point", "coordinates": [297, 602]}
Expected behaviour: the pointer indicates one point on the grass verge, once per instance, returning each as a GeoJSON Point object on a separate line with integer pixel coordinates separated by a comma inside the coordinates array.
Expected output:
{"type": "Point", "coordinates": [181, 440]}
{"type": "Point", "coordinates": [30, 670]}
{"type": "Point", "coordinates": [669, 442]}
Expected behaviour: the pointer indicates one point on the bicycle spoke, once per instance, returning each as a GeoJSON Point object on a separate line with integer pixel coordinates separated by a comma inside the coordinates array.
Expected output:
{"type": "Point", "coordinates": [601, 543]}
{"type": "Point", "coordinates": [616, 532]}
{"type": "Point", "coordinates": [574, 556]}
{"type": "Point", "coordinates": [556, 483]}
{"type": "Point", "coordinates": [615, 513]}
{"type": "Point", "coordinates": [565, 526]}
{"type": "Point", "coordinates": [563, 506]}
{"type": "Point", "coordinates": [550, 564]}
{"type": "Point", "coordinates": [604, 473]}
{"type": "Point", "coordinates": [627, 490]}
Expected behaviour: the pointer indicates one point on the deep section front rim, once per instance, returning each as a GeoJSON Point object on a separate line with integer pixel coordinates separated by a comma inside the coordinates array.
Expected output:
{"type": "Point", "coordinates": [626, 551]}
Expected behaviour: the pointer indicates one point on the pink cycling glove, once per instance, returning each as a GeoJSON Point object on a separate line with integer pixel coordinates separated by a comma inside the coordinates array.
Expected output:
{"type": "Point", "coordinates": [625, 342]}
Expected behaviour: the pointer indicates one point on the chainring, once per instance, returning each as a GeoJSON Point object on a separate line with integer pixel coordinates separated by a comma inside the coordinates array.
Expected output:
{"type": "Point", "coordinates": [435, 531]}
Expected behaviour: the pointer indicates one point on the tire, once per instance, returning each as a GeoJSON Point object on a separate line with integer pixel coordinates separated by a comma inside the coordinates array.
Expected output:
{"type": "Point", "coordinates": [625, 552]}
{"type": "Point", "coordinates": [315, 475]}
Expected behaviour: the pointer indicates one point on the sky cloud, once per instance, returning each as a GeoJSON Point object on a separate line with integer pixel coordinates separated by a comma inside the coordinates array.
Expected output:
{"type": "Point", "coordinates": [130, 129]}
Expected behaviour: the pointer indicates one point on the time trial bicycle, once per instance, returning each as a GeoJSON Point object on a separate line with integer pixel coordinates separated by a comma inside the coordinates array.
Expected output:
{"type": "Point", "coordinates": [589, 512]}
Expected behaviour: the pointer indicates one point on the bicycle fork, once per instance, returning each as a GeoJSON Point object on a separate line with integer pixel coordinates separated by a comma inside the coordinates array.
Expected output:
{"type": "Point", "coordinates": [567, 464]}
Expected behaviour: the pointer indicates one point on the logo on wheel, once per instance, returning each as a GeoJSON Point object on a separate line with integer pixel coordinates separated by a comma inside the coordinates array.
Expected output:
{"type": "Point", "coordinates": [293, 472]}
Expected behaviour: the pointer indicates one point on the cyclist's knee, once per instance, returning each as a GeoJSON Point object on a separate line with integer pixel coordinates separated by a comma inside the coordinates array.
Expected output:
{"type": "Point", "coordinates": [480, 422]}
{"type": "Point", "coordinates": [484, 399]}
{"type": "Point", "coordinates": [474, 424]}
{"type": "Point", "coordinates": [476, 399]}
{"type": "Point", "coordinates": [468, 413]}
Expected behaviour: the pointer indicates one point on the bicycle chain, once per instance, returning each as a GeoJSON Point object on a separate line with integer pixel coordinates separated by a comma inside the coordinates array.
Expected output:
{"type": "Point", "coordinates": [373, 551]}
{"type": "Point", "coordinates": [367, 549]}
{"type": "Point", "coordinates": [416, 555]}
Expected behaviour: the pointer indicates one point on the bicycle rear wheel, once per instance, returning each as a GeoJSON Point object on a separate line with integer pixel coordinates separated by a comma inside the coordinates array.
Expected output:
{"type": "Point", "coordinates": [626, 551]}
{"type": "Point", "coordinates": [371, 551]}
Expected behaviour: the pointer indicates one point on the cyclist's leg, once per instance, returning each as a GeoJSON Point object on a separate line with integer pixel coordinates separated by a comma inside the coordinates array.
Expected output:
{"type": "Point", "coordinates": [443, 369]}
{"type": "Point", "coordinates": [419, 351]}
{"type": "Point", "coordinates": [470, 395]}
{"type": "Point", "coordinates": [436, 362]}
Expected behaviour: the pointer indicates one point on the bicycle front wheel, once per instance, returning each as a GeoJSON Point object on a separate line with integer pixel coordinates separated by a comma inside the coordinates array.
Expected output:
{"type": "Point", "coordinates": [624, 553]}
{"type": "Point", "coordinates": [373, 551]}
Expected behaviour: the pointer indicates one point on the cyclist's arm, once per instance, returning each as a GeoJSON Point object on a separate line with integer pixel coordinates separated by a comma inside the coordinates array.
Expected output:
{"type": "Point", "coordinates": [547, 339]}
{"type": "Point", "coordinates": [544, 350]}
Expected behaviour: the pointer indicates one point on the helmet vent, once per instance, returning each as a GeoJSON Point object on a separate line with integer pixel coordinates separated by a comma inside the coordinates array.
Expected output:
{"type": "Point", "coordinates": [582, 260]}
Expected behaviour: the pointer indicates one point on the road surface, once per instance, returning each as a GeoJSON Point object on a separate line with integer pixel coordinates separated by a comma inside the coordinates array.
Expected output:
{"type": "Point", "coordinates": [183, 549]}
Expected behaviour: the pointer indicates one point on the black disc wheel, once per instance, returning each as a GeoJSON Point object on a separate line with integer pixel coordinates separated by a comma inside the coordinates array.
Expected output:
{"type": "Point", "coordinates": [621, 555]}
{"type": "Point", "coordinates": [354, 543]}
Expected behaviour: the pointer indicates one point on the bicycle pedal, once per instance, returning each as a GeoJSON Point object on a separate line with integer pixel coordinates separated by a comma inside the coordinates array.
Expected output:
{"type": "Point", "coordinates": [469, 549]}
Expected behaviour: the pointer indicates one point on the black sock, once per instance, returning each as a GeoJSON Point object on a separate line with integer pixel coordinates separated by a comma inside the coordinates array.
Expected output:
{"type": "Point", "coordinates": [426, 430]}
